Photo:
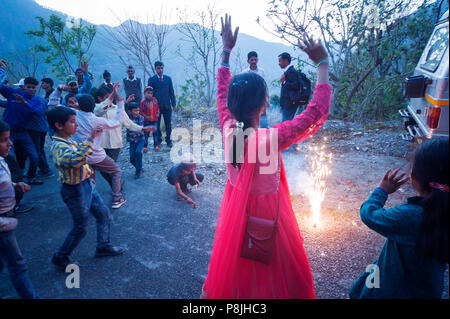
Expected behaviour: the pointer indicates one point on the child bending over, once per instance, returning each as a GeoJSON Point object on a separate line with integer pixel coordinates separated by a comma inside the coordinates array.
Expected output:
{"type": "Point", "coordinates": [183, 174]}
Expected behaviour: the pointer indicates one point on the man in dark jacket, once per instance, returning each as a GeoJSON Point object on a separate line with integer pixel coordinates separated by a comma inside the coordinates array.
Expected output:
{"type": "Point", "coordinates": [289, 85]}
{"type": "Point", "coordinates": [164, 93]}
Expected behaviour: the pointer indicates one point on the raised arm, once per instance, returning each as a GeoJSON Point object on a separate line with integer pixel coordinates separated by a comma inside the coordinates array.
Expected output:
{"type": "Point", "coordinates": [87, 84]}
{"type": "Point", "coordinates": [223, 77]}
{"type": "Point", "coordinates": [312, 119]}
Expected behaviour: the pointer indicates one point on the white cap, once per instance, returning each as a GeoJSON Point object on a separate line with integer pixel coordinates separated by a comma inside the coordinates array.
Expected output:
{"type": "Point", "coordinates": [21, 82]}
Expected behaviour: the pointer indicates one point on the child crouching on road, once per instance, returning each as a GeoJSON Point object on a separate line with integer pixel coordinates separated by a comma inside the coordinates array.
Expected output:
{"type": "Point", "coordinates": [183, 174]}
{"type": "Point", "coordinates": [77, 190]}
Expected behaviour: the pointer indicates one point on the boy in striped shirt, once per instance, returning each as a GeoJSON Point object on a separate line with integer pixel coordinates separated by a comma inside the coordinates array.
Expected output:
{"type": "Point", "coordinates": [78, 191]}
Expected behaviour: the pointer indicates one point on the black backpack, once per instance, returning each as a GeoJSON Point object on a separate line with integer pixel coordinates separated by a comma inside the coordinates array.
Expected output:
{"type": "Point", "coordinates": [301, 96]}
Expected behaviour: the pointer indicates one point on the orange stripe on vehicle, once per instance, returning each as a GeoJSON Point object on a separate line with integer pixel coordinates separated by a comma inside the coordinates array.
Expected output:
{"type": "Point", "coordinates": [436, 102]}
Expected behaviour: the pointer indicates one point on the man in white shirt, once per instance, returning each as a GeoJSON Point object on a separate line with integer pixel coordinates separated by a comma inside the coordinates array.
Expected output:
{"type": "Point", "coordinates": [252, 60]}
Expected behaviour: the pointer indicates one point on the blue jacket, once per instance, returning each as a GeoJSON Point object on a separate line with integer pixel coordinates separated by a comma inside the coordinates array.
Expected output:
{"type": "Point", "coordinates": [163, 92]}
{"type": "Point", "coordinates": [39, 122]}
{"type": "Point", "coordinates": [403, 272]}
{"type": "Point", "coordinates": [18, 115]}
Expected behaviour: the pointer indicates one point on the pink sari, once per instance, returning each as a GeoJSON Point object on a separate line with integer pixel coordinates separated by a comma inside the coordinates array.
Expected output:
{"type": "Point", "coordinates": [289, 273]}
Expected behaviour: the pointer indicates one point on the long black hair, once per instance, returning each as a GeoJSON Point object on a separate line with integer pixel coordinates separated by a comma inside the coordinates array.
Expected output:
{"type": "Point", "coordinates": [430, 164]}
{"type": "Point", "coordinates": [246, 96]}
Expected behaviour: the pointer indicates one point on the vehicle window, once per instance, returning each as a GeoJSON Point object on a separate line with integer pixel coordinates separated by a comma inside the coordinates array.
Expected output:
{"type": "Point", "coordinates": [438, 45]}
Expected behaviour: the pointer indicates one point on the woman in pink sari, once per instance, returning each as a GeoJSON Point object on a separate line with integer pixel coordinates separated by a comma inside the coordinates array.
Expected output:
{"type": "Point", "coordinates": [257, 184]}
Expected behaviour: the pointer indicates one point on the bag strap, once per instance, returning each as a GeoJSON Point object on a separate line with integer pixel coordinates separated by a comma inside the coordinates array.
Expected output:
{"type": "Point", "coordinates": [278, 189]}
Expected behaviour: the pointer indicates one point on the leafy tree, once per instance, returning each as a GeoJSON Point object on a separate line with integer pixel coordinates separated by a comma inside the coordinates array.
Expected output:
{"type": "Point", "coordinates": [66, 43]}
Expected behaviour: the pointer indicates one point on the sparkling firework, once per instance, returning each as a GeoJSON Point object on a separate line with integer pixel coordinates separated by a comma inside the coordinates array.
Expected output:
{"type": "Point", "coordinates": [319, 164]}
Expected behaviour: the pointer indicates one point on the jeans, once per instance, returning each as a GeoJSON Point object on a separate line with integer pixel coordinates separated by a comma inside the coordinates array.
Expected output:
{"type": "Point", "coordinates": [167, 114]}
{"type": "Point", "coordinates": [81, 199]}
{"type": "Point", "coordinates": [38, 139]}
{"type": "Point", "coordinates": [12, 258]}
{"type": "Point", "coordinates": [288, 113]}
{"type": "Point", "coordinates": [24, 147]}
{"type": "Point", "coordinates": [155, 134]}
{"type": "Point", "coordinates": [136, 154]}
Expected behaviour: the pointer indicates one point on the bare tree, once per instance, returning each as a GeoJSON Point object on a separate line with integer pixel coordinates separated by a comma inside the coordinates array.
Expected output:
{"type": "Point", "coordinates": [203, 38]}
{"type": "Point", "coordinates": [24, 63]}
{"type": "Point", "coordinates": [239, 63]}
{"type": "Point", "coordinates": [144, 42]}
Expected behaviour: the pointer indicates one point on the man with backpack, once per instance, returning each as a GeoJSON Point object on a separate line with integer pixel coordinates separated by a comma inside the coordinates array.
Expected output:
{"type": "Point", "coordinates": [295, 90]}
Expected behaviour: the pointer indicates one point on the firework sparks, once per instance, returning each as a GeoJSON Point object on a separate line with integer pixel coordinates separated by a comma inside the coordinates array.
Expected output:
{"type": "Point", "coordinates": [319, 164]}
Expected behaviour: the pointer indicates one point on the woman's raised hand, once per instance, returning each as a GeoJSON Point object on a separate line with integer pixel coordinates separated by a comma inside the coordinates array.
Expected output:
{"type": "Point", "coordinates": [228, 38]}
{"type": "Point", "coordinates": [315, 50]}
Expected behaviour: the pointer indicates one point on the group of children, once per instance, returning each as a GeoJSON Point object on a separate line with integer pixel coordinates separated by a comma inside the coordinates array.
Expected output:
{"type": "Point", "coordinates": [86, 135]}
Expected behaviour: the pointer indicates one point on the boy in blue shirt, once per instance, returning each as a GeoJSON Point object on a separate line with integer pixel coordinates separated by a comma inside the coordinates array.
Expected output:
{"type": "Point", "coordinates": [20, 108]}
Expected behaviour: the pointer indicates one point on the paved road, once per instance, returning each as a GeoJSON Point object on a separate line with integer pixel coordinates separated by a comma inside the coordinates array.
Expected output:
{"type": "Point", "coordinates": [168, 243]}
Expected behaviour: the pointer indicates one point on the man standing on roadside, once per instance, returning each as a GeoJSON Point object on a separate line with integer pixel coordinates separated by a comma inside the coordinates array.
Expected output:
{"type": "Point", "coordinates": [164, 93]}
{"type": "Point", "coordinates": [252, 60]}
{"type": "Point", "coordinates": [289, 83]}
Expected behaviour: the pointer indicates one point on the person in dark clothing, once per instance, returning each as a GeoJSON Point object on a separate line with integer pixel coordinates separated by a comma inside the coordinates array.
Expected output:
{"type": "Point", "coordinates": [289, 84]}
{"type": "Point", "coordinates": [164, 93]}
{"type": "Point", "coordinates": [47, 86]}
{"type": "Point", "coordinates": [132, 86]}
{"type": "Point", "coordinates": [21, 107]}
{"type": "Point", "coordinates": [183, 174]}
{"type": "Point", "coordinates": [107, 84]}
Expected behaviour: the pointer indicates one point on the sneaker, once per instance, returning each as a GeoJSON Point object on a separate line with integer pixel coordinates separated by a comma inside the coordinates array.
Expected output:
{"type": "Point", "coordinates": [119, 203]}
{"type": "Point", "coordinates": [108, 250]}
{"type": "Point", "coordinates": [169, 144]}
{"type": "Point", "coordinates": [145, 150]}
{"type": "Point", "coordinates": [156, 148]}
{"type": "Point", "coordinates": [46, 175]}
{"type": "Point", "coordinates": [22, 208]}
{"type": "Point", "coordinates": [62, 262]}
{"type": "Point", "coordinates": [34, 181]}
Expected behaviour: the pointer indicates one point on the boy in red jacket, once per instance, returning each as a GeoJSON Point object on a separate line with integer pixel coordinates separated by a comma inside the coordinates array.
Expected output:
{"type": "Point", "coordinates": [150, 111]}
